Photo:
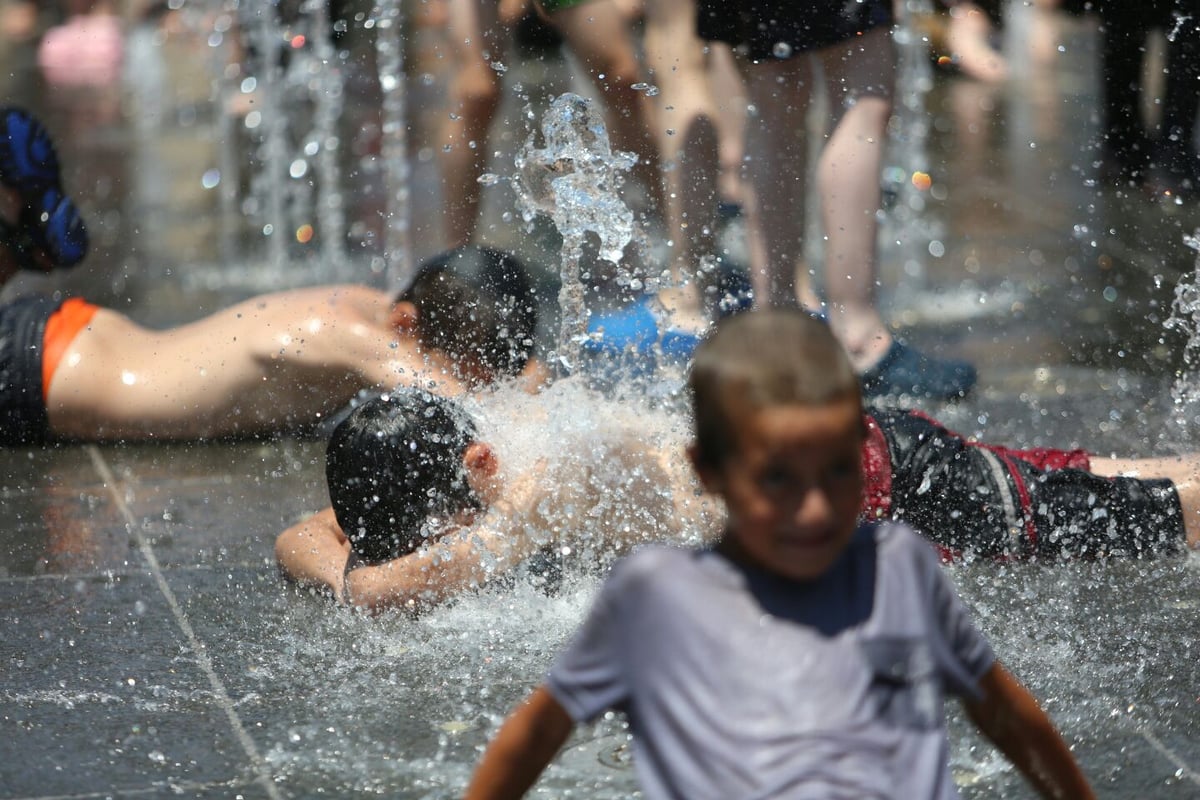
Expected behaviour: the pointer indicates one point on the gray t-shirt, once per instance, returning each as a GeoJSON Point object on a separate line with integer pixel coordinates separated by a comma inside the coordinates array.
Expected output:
{"type": "Point", "coordinates": [741, 684]}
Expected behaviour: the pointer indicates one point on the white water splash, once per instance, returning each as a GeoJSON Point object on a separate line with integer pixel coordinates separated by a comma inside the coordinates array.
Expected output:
{"type": "Point", "coordinates": [1185, 318]}
{"type": "Point", "coordinates": [574, 178]}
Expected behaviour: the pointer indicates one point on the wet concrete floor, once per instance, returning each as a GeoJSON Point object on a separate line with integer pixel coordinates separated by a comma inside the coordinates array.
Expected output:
{"type": "Point", "coordinates": [148, 648]}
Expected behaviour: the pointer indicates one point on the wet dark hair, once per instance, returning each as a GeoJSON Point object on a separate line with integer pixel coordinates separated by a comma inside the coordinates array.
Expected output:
{"type": "Point", "coordinates": [394, 466]}
{"type": "Point", "coordinates": [759, 359]}
{"type": "Point", "coordinates": [477, 304]}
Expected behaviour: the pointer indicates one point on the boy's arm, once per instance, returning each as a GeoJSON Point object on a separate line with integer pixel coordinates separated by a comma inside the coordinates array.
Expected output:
{"type": "Point", "coordinates": [458, 562]}
{"type": "Point", "coordinates": [313, 552]}
{"type": "Point", "coordinates": [1010, 716]}
{"type": "Point", "coordinates": [526, 742]}
{"type": "Point", "coordinates": [437, 572]}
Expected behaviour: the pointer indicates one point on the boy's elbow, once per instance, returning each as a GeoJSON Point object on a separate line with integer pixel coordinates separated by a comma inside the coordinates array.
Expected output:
{"type": "Point", "coordinates": [286, 551]}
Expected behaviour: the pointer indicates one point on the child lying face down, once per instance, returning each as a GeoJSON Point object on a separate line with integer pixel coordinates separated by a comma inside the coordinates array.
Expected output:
{"type": "Point", "coordinates": [423, 507]}
{"type": "Point", "coordinates": [965, 496]}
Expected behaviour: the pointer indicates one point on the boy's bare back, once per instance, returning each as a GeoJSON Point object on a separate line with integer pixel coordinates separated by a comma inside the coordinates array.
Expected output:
{"type": "Point", "coordinates": [271, 362]}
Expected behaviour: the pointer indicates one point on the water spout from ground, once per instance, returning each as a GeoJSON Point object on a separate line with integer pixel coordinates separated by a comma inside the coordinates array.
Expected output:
{"type": "Point", "coordinates": [574, 178]}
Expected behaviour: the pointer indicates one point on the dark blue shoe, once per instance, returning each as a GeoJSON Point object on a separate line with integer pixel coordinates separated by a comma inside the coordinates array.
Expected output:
{"type": "Point", "coordinates": [905, 371]}
{"type": "Point", "coordinates": [730, 291]}
{"type": "Point", "coordinates": [50, 232]}
{"type": "Point", "coordinates": [64, 236]}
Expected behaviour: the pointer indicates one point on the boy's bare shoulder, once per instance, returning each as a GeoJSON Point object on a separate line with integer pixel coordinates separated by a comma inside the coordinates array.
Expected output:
{"type": "Point", "coordinates": [312, 310]}
{"type": "Point", "coordinates": [334, 296]}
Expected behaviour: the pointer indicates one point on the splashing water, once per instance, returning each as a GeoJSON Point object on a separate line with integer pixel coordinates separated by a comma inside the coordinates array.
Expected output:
{"type": "Point", "coordinates": [1185, 318]}
{"type": "Point", "coordinates": [389, 45]}
{"type": "Point", "coordinates": [574, 179]}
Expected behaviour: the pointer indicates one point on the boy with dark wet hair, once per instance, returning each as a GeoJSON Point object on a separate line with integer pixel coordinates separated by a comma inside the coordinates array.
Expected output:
{"type": "Point", "coordinates": [404, 471]}
{"type": "Point", "coordinates": [396, 473]}
{"type": "Point", "coordinates": [805, 653]}
{"type": "Point", "coordinates": [422, 509]}
{"type": "Point", "coordinates": [477, 304]}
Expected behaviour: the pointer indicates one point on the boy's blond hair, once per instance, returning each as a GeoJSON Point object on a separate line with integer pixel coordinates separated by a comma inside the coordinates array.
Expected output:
{"type": "Point", "coordinates": [760, 359]}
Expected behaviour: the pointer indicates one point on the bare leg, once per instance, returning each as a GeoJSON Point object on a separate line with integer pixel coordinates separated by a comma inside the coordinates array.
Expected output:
{"type": "Point", "coordinates": [777, 141]}
{"type": "Point", "coordinates": [475, 40]}
{"type": "Point", "coordinates": [727, 86]}
{"type": "Point", "coordinates": [598, 34]}
{"type": "Point", "coordinates": [1183, 471]}
{"type": "Point", "coordinates": [859, 79]}
{"type": "Point", "coordinates": [687, 138]}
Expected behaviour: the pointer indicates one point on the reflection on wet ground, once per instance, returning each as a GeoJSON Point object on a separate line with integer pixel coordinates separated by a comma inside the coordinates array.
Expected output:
{"type": "Point", "coordinates": [148, 647]}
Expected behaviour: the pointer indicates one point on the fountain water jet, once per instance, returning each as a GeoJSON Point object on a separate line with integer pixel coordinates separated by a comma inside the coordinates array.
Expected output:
{"type": "Point", "coordinates": [574, 179]}
{"type": "Point", "coordinates": [389, 43]}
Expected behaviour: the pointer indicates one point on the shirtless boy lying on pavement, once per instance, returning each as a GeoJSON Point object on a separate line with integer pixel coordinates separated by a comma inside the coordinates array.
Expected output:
{"type": "Point", "coordinates": [73, 370]}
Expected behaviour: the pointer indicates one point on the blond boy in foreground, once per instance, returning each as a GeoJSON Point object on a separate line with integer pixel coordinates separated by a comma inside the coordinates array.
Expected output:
{"type": "Point", "coordinates": [805, 653]}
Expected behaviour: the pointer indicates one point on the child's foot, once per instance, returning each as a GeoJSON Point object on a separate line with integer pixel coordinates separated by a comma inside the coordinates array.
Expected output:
{"type": "Point", "coordinates": [968, 36]}
{"type": "Point", "coordinates": [48, 231]}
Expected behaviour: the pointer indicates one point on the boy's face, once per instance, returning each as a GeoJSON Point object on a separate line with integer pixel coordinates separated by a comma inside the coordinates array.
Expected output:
{"type": "Point", "coordinates": [792, 486]}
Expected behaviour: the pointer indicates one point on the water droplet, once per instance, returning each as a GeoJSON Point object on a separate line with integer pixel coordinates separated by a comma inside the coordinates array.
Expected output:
{"type": "Point", "coordinates": [211, 178]}
{"type": "Point", "coordinates": [782, 50]}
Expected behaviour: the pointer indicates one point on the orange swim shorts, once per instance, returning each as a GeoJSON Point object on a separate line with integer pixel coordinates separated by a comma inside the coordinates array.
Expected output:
{"type": "Point", "coordinates": [61, 329]}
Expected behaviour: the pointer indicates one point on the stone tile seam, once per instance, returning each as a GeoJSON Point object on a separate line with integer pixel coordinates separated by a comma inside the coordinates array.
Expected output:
{"type": "Point", "coordinates": [1170, 755]}
{"type": "Point", "coordinates": [154, 790]}
{"type": "Point", "coordinates": [114, 574]}
{"type": "Point", "coordinates": [198, 648]}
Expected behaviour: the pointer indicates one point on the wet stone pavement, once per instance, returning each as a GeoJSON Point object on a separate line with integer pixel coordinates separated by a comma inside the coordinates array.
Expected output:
{"type": "Point", "coordinates": [147, 647]}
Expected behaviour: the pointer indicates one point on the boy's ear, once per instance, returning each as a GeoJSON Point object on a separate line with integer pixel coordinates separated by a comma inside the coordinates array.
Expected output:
{"type": "Point", "coordinates": [710, 478]}
{"type": "Point", "coordinates": [480, 459]}
{"type": "Point", "coordinates": [403, 316]}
